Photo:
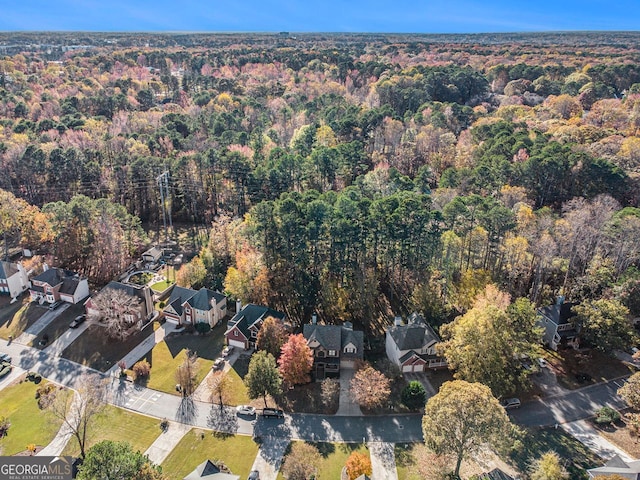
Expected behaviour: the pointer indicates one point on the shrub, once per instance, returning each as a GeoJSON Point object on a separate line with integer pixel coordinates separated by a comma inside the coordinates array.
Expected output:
{"type": "Point", "coordinates": [5, 423]}
{"type": "Point", "coordinates": [45, 394]}
{"type": "Point", "coordinates": [607, 415]}
{"type": "Point", "coordinates": [414, 396]}
{"type": "Point", "coordinates": [202, 327]}
{"type": "Point", "coordinates": [141, 368]}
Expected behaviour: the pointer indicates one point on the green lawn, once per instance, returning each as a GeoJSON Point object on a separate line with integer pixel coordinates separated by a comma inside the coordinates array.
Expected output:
{"type": "Point", "coordinates": [334, 458]}
{"type": "Point", "coordinates": [167, 356]}
{"type": "Point", "coordinates": [118, 424]}
{"type": "Point", "coordinates": [237, 390]}
{"type": "Point", "coordinates": [405, 462]}
{"type": "Point", "coordinates": [160, 287]}
{"type": "Point", "coordinates": [16, 317]}
{"type": "Point", "coordinates": [235, 451]}
{"type": "Point", "coordinates": [29, 424]}
{"type": "Point", "coordinates": [577, 456]}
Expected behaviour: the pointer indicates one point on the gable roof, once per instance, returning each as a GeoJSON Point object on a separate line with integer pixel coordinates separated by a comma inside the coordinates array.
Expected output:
{"type": "Point", "coordinates": [69, 285]}
{"type": "Point", "coordinates": [558, 314]}
{"type": "Point", "coordinates": [179, 295]}
{"type": "Point", "coordinates": [618, 466]}
{"type": "Point", "coordinates": [209, 471]}
{"type": "Point", "coordinates": [415, 335]}
{"type": "Point", "coordinates": [249, 316]}
{"type": "Point", "coordinates": [153, 252]}
{"type": "Point", "coordinates": [52, 276]}
{"type": "Point", "coordinates": [335, 337]}
{"type": "Point", "coordinates": [201, 300]}
{"type": "Point", "coordinates": [495, 474]}
{"type": "Point", "coordinates": [8, 269]}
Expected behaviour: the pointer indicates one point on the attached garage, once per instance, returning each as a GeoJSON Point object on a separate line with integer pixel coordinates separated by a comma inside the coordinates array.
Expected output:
{"type": "Point", "coordinates": [236, 343]}
{"type": "Point", "coordinates": [413, 368]}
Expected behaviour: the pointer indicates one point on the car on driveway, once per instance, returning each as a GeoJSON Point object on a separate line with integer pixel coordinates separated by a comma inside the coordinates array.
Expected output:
{"type": "Point", "coordinates": [4, 357]}
{"type": "Point", "coordinates": [55, 305]}
{"type": "Point", "coordinates": [246, 410]}
{"type": "Point", "coordinates": [227, 351]}
{"type": "Point", "coordinates": [77, 321]}
{"type": "Point", "coordinates": [5, 369]}
{"type": "Point", "coordinates": [509, 403]}
{"type": "Point", "coordinates": [542, 362]}
{"type": "Point", "coordinates": [583, 377]}
{"type": "Point", "coordinates": [218, 364]}
{"type": "Point", "coordinates": [254, 475]}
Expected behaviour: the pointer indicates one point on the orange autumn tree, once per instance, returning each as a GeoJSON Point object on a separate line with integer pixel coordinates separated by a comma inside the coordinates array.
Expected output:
{"type": "Point", "coordinates": [296, 360]}
{"type": "Point", "coordinates": [358, 464]}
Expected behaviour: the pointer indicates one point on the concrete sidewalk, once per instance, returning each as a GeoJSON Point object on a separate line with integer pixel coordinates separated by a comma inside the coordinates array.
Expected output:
{"type": "Point", "coordinates": [383, 461]}
{"type": "Point", "coordinates": [56, 446]}
{"type": "Point", "coordinates": [269, 458]}
{"type": "Point", "coordinates": [143, 347]}
{"type": "Point", "coordinates": [582, 431]}
{"type": "Point", "coordinates": [166, 442]}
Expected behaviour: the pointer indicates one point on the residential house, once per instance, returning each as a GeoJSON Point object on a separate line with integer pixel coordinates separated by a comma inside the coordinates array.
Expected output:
{"type": "Point", "coordinates": [242, 329]}
{"type": "Point", "coordinates": [152, 255]}
{"type": "Point", "coordinates": [412, 347]}
{"type": "Point", "coordinates": [495, 474]}
{"type": "Point", "coordinates": [142, 311]}
{"type": "Point", "coordinates": [186, 306]}
{"type": "Point", "coordinates": [617, 466]}
{"type": "Point", "coordinates": [57, 284]}
{"type": "Point", "coordinates": [334, 347]}
{"type": "Point", "coordinates": [13, 279]}
{"type": "Point", "coordinates": [210, 471]}
{"type": "Point", "coordinates": [557, 325]}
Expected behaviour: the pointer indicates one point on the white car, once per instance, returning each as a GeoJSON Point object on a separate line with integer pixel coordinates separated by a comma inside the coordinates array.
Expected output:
{"type": "Point", "coordinates": [4, 357]}
{"type": "Point", "coordinates": [542, 362]}
{"type": "Point", "coordinates": [509, 403]}
{"type": "Point", "coordinates": [245, 410]}
{"type": "Point", "coordinates": [218, 364]}
{"type": "Point", "coordinates": [227, 350]}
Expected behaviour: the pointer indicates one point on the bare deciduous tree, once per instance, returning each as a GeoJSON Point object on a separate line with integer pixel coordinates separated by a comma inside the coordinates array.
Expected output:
{"type": "Point", "coordinates": [186, 374]}
{"type": "Point", "coordinates": [78, 412]}
{"type": "Point", "coordinates": [118, 311]}
{"type": "Point", "coordinates": [219, 388]}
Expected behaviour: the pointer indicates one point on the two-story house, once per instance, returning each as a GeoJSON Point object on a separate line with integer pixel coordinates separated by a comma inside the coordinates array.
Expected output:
{"type": "Point", "coordinates": [617, 467]}
{"type": "Point", "coordinates": [13, 279]}
{"type": "Point", "coordinates": [57, 284]}
{"type": "Point", "coordinates": [334, 347]}
{"type": "Point", "coordinates": [142, 310]}
{"type": "Point", "coordinates": [412, 347]}
{"type": "Point", "coordinates": [242, 329]}
{"type": "Point", "coordinates": [186, 306]}
{"type": "Point", "coordinates": [557, 325]}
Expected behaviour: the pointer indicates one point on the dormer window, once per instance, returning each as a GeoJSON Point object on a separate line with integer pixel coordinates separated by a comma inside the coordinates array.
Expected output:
{"type": "Point", "coordinates": [349, 349]}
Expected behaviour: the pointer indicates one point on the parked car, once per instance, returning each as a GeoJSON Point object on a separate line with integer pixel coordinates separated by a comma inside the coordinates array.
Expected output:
{"type": "Point", "coordinates": [227, 350]}
{"type": "Point", "coordinates": [272, 413]}
{"type": "Point", "coordinates": [55, 305]}
{"type": "Point", "coordinates": [77, 321]}
{"type": "Point", "coordinates": [246, 410]}
{"type": "Point", "coordinates": [254, 475]}
{"type": "Point", "coordinates": [583, 377]}
{"type": "Point", "coordinates": [5, 369]}
{"type": "Point", "coordinates": [4, 357]}
{"type": "Point", "coordinates": [509, 403]}
{"type": "Point", "coordinates": [542, 362]}
{"type": "Point", "coordinates": [218, 364]}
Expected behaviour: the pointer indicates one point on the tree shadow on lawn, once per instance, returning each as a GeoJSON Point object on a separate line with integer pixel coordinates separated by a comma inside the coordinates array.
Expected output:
{"type": "Point", "coordinates": [95, 350]}
{"type": "Point", "coordinates": [207, 346]}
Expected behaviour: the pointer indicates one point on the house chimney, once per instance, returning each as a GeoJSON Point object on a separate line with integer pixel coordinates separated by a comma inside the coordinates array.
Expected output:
{"type": "Point", "coordinates": [45, 267]}
{"type": "Point", "coordinates": [560, 300]}
{"type": "Point", "coordinates": [238, 305]}
{"type": "Point", "coordinates": [397, 321]}
{"type": "Point", "coordinates": [314, 319]}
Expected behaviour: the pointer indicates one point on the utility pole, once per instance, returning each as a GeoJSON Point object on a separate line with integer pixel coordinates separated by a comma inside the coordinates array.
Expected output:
{"type": "Point", "coordinates": [163, 184]}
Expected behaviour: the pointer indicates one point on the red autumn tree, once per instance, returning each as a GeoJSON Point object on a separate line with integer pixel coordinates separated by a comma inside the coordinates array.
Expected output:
{"type": "Point", "coordinates": [296, 360]}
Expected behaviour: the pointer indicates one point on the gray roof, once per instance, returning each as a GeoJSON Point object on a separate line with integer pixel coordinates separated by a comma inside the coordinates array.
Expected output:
{"type": "Point", "coordinates": [69, 285]}
{"type": "Point", "coordinates": [179, 295]}
{"type": "Point", "coordinates": [495, 474]}
{"type": "Point", "coordinates": [618, 466]}
{"type": "Point", "coordinates": [52, 276]}
{"type": "Point", "coordinates": [153, 252]}
{"type": "Point", "coordinates": [335, 337]}
{"type": "Point", "coordinates": [415, 335]}
{"type": "Point", "coordinates": [558, 314]}
{"type": "Point", "coordinates": [209, 471]}
{"type": "Point", "coordinates": [8, 269]}
{"type": "Point", "coordinates": [201, 300]}
{"type": "Point", "coordinates": [249, 315]}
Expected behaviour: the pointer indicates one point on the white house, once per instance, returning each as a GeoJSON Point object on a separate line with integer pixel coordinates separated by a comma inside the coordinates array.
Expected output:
{"type": "Point", "coordinates": [412, 347]}
{"type": "Point", "coordinates": [13, 279]}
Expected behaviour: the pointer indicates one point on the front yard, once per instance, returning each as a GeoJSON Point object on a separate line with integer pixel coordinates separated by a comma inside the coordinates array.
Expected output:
{"type": "Point", "coordinates": [167, 356]}
{"type": "Point", "coordinates": [59, 326]}
{"type": "Point", "coordinates": [29, 424]}
{"type": "Point", "coordinates": [575, 369]}
{"type": "Point", "coordinates": [117, 424]}
{"type": "Point", "coordinates": [334, 458]}
{"type": "Point", "coordinates": [237, 452]}
{"type": "Point", "coordinates": [621, 435]}
{"type": "Point", "coordinates": [16, 317]}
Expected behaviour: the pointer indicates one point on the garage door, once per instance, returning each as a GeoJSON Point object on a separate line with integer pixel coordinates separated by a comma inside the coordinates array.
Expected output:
{"type": "Point", "coordinates": [407, 368]}
{"type": "Point", "coordinates": [418, 368]}
{"type": "Point", "coordinates": [236, 343]}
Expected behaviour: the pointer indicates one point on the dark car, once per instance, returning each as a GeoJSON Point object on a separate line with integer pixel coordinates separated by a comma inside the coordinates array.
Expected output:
{"type": "Point", "coordinates": [272, 413]}
{"type": "Point", "coordinates": [55, 305]}
{"type": "Point", "coordinates": [77, 321]}
{"type": "Point", "coordinates": [583, 377]}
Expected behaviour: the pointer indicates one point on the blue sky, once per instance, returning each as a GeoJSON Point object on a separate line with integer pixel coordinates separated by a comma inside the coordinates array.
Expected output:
{"type": "Point", "coordinates": [419, 16]}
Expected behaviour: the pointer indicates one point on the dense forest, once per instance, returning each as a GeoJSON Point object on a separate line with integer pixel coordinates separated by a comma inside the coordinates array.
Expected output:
{"type": "Point", "coordinates": [357, 176]}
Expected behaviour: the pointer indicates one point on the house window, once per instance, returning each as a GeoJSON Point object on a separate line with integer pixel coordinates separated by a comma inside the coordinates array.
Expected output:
{"type": "Point", "coordinates": [349, 350]}
{"type": "Point", "coordinates": [321, 354]}
{"type": "Point", "coordinates": [254, 334]}
{"type": "Point", "coordinates": [332, 353]}
{"type": "Point", "coordinates": [235, 333]}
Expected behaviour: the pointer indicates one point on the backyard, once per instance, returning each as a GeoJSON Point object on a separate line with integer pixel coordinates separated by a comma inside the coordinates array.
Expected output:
{"type": "Point", "coordinates": [235, 451]}
{"type": "Point", "coordinates": [29, 424]}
